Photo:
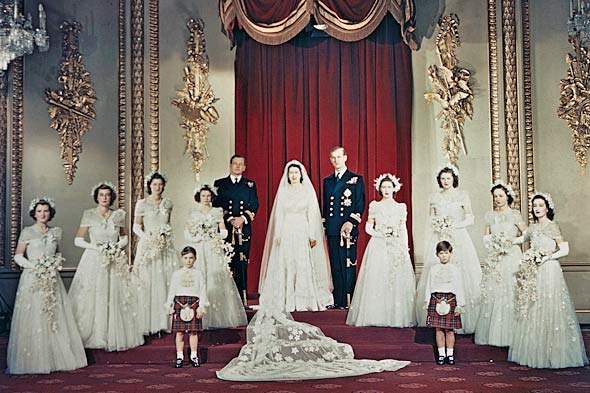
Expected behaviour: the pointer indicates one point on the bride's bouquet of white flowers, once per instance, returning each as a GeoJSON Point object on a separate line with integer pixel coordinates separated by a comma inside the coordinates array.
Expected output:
{"type": "Point", "coordinates": [444, 226]}
{"type": "Point", "coordinates": [158, 241]}
{"type": "Point", "coordinates": [46, 273]}
{"type": "Point", "coordinates": [526, 278]}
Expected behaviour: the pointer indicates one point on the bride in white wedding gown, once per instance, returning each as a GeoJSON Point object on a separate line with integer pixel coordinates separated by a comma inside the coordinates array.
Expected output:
{"type": "Point", "coordinates": [280, 348]}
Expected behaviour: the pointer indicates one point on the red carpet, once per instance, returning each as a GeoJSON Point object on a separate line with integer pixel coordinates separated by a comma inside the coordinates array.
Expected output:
{"type": "Point", "coordinates": [148, 368]}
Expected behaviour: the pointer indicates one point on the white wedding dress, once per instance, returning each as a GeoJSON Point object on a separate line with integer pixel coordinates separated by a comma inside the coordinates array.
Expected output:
{"type": "Point", "coordinates": [36, 345]}
{"type": "Point", "coordinates": [456, 207]}
{"type": "Point", "coordinates": [548, 336]}
{"type": "Point", "coordinates": [385, 288]}
{"type": "Point", "coordinates": [225, 305]}
{"type": "Point", "coordinates": [295, 274]}
{"type": "Point", "coordinates": [496, 317]}
{"type": "Point", "coordinates": [279, 348]}
{"type": "Point", "coordinates": [154, 268]}
{"type": "Point", "coordinates": [104, 298]}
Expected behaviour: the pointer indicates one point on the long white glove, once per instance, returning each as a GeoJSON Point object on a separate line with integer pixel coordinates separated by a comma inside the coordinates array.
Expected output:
{"type": "Point", "coordinates": [138, 230]}
{"type": "Point", "coordinates": [371, 231]}
{"type": "Point", "coordinates": [23, 262]}
{"type": "Point", "coordinates": [80, 242]}
{"type": "Point", "coordinates": [487, 239]}
{"type": "Point", "coordinates": [520, 239]}
{"type": "Point", "coordinates": [195, 239]}
{"type": "Point", "coordinates": [123, 241]}
{"type": "Point", "coordinates": [468, 221]}
{"type": "Point", "coordinates": [564, 250]}
{"type": "Point", "coordinates": [223, 233]}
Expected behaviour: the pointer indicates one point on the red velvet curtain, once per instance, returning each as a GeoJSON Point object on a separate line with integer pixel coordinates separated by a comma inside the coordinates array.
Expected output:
{"type": "Point", "coordinates": [297, 100]}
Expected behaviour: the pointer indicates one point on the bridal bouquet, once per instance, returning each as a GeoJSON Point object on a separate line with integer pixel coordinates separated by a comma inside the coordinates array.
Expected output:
{"type": "Point", "coordinates": [113, 256]}
{"type": "Point", "coordinates": [46, 274]}
{"type": "Point", "coordinates": [498, 245]}
{"type": "Point", "coordinates": [158, 241]}
{"type": "Point", "coordinates": [206, 228]}
{"type": "Point", "coordinates": [444, 226]}
{"type": "Point", "coordinates": [526, 279]}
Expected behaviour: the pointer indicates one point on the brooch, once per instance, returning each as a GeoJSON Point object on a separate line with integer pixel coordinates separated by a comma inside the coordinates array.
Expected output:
{"type": "Point", "coordinates": [250, 184]}
{"type": "Point", "coordinates": [352, 180]}
{"type": "Point", "coordinates": [347, 193]}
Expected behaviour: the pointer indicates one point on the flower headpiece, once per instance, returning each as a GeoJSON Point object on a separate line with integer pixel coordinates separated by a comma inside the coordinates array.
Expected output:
{"type": "Point", "coordinates": [199, 187]}
{"type": "Point", "coordinates": [102, 183]}
{"type": "Point", "coordinates": [506, 186]}
{"type": "Point", "coordinates": [452, 167]}
{"type": "Point", "coordinates": [547, 197]}
{"type": "Point", "coordinates": [148, 178]}
{"type": "Point", "coordinates": [396, 183]}
{"type": "Point", "coordinates": [36, 200]}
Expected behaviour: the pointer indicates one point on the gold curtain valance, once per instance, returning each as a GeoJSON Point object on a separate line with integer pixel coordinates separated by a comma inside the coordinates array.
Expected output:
{"type": "Point", "coordinates": [345, 20]}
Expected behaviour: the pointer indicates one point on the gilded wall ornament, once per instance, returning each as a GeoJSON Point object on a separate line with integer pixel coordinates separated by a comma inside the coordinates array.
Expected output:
{"type": "Point", "coordinates": [196, 99]}
{"type": "Point", "coordinates": [574, 100]}
{"type": "Point", "coordinates": [452, 89]}
{"type": "Point", "coordinates": [72, 107]}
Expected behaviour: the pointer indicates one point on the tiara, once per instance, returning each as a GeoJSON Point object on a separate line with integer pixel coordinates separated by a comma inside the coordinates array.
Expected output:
{"type": "Point", "coordinates": [451, 167]}
{"type": "Point", "coordinates": [506, 186]}
{"type": "Point", "coordinates": [546, 196]}
{"type": "Point", "coordinates": [199, 187]}
{"type": "Point", "coordinates": [148, 178]}
{"type": "Point", "coordinates": [47, 199]}
{"type": "Point", "coordinates": [396, 183]}
{"type": "Point", "coordinates": [102, 183]}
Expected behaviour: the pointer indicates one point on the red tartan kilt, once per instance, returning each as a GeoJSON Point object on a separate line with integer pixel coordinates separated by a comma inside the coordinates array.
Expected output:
{"type": "Point", "coordinates": [449, 321]}
{"type": "Point", "coordinates": [178, 325]}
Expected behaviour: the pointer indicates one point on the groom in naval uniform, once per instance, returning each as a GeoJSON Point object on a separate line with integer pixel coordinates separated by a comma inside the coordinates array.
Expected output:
{"type": "Point", "coordinates": [343, 206]}
{"type": "Point", "coordinates": [237, 196]}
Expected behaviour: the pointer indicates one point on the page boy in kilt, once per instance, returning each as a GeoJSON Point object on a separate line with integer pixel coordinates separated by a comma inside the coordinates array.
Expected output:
{"type": "Point", "coordinates": [187, 302]}
{"type": "Point", "coordinates": [444, 288]}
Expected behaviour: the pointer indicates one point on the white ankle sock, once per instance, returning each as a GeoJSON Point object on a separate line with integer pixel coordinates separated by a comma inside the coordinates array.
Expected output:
{"type": "Point", "coordinates": [450, 351]}
{"type": "Point", "coordinates": [194, 355]}
{"type": "Point", "coordinates": [441, 352]}
{"type": "Point", "coordinates": [179, 355]}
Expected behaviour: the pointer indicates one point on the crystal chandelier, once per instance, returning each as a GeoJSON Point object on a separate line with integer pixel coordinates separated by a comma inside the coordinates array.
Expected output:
{"type": "Point", "coordinates": [17, 36]}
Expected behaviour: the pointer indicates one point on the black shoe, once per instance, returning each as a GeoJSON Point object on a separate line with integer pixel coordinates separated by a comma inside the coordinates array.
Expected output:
{"type": "Point", "coordinates": [451, 360]}
{"type": "Point", "coordinates": [440, 360]}
{"type": "Point", "coordinates": [195, 362]}
{"type": "Point", "coordinates": [178, 363]}
{"type": "Point", "coordinates": [331, 307]}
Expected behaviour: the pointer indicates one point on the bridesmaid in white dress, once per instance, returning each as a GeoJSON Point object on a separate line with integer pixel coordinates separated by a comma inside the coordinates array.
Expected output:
{"type": "Point", "coordinates": [43, 335]}
{"type": "Point", "coordinates": [103, 296]}
{"type": "Point", "coordinates": [503, 226]}
{"type": "Point", "coordinates": [155, 259]}
{"type": "Point", "coordinates": [385, 289]}
{"type": "Point", "coordinates": [206, 230]}
{"type": "Point", "coordinates": [295, 270]}
{"type": "Point", "coordinates": [451, 214]}
{"type": "Point", "coordinates": [547, 332]}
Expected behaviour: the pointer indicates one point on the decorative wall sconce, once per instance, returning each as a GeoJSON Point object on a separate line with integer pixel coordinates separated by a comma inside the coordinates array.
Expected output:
{"type": "Point", "coordinates": [72, 107]}
{"type": "Point", "coordinates": [452, 89]}
{"type": "Point", "coordinates": [574, 100]}
{"type": "Point", "coordinates": [196, 99]}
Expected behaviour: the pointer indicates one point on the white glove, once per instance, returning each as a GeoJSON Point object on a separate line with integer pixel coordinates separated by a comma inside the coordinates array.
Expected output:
{"type": "Point", "coordinates": [564, 250]}
{"type": "Point", "coordinates": [223, 233]}
{"type": "Point", "coordinates": [371, 231]}
{"type": "Point", "coordinates": [487, 239]}
{"type": "Point", "coordinates": [194, 239]}
{"type": "Point", "coordinates": [80, 242]}
{"type": "Point", "coordinates": [123, 241]}
{"type": "Point", "coordinates": [468, 221]}
{"type": "Point", "coordinates": [23, 262]}
{"type": "Point", "coordinates": [138, 230]}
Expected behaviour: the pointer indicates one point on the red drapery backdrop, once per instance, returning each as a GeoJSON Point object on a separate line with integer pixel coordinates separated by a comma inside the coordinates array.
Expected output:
{"type": "Point", "coordinates": [298, 99]}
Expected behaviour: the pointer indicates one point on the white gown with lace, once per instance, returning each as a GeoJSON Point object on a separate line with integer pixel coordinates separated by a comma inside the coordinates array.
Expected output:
{"type": "Point", "coordinates": [104, 298]}
{"type": "Point", "coordinates": [225, 305]}
{"type": "Point", "coordinates": [385, 288]}
{"type": "Point", "coordinates": [292, 277]}
{"type": "Point", "coordinates": [456, 207]}
{"type": "Point", "coordinates": [496, 317]}
{"type": "Point", "coordinates": [279, 348]}
{"type": "Point", "coordinates": [153, 266]}
{"type": "Point", "coordinates": [36, 345]}
{"type": "Point", "coordinates": [547, 334]}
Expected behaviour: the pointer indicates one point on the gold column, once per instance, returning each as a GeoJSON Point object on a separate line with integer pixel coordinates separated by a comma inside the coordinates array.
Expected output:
{"type": "Point", "coordinates": [154, 54]}
{"type": "Point", "coordinates": [16, 155]}
{"type": "Point", "coordinates": [3, 162]}
{"type": "Point", "coordinates": [494, 106]}
{"type": "Point", "coordinates": [122, 95]}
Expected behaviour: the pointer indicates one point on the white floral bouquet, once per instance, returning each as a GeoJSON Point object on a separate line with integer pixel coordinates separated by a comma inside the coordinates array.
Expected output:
{"type": "Point", "coordinates": [114, 256]}
{"type": "Point", "coordinates": [444, 226]}
{"type": "Point", "coordinates": [158, 241]}
{"type": "Point", "coordinates": [526, 279]}
{"type": "Point", "coordinates": [206, 228]}
{"type": "Point", "coordinates": [46, 274]}
{"type": "Point", "coordinates": [498, 245]}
